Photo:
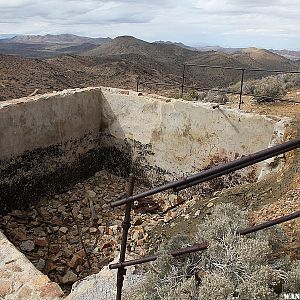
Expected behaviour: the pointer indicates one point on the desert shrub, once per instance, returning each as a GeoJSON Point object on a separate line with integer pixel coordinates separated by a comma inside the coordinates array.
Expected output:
{"type": "Point", "coordinates": [216, 287]}
{"type": "Point", "coordinates": [292, 280]}
{"type": "Point", "coordinates": [290, 80]}
{"type": "Point", "coordinates": [210, 96]}
{"type": "Point", "coordinates": [269, 88]}
{"type": "Point", "coordinates": [169, 277]}
{"type": "Point", "coordinates": [233, 266]}
{"type": "Point", "coordinates": [265, 89]}
{"type": "Point", "coordinates": [216, 97]}
{"type": "Point", "coordinates": [260, 285]}
{"type": "Point", "coordinates": [193, 95]}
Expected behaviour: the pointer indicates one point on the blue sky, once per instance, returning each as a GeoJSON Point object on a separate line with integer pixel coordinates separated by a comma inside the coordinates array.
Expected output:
{"type": "Point", "coordinates": [235, 23]}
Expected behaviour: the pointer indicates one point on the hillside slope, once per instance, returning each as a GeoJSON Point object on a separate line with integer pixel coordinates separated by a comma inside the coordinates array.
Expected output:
{"type": "Point", "coordinates": [165, 53]}
{"type": "Point", "coordinates": [119, 62]}
{"type": "Point", "coordinates": [264, 59]}
{"type": "Point", "coordinates": [73, 71]}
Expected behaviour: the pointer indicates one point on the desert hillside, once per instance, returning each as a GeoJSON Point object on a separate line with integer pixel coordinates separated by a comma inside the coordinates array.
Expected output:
{"type": "Point", "coordinates": [118, 63]}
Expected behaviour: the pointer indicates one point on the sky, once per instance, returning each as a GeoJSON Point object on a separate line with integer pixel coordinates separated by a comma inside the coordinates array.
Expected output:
{"type": "Point", "coordinates": [228, 23]}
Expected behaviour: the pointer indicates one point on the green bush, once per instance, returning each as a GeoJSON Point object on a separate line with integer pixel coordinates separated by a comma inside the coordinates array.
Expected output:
{"type": "Point", "coordinates": [233, 266]}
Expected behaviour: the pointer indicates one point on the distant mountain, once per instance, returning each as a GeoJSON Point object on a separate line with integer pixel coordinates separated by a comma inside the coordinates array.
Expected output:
{"type": "Point", "coordinates": [6, 36]}
{"type": "Point", "coordinates": [176, 44]}
{"type": "Point", "coordinates": [44, 46]}
{"type": "Point", "coordinates": [170, 53]}
{"type": "Point", "coordinates": [57, 39]}
{"type": "Point", "coordinates": [173, 56]}
{"type": "Point", "coordinates": [218, 48]}
{"type": "Point", "coordinates": [290, 54]}
{"type": "Point", "coordinates": [165, 53]}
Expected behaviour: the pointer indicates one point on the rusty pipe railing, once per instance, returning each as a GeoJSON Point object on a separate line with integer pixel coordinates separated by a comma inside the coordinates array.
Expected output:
{"type": "Point", "coordinates": [215, 171]}
{"type": "Point", "coordinates": [126, 226]}
{"type": "Point", "coordinates": [204, 245]}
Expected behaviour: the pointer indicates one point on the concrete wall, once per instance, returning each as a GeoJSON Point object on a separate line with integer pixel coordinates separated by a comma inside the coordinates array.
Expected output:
{"type": "Point", "coordinates": [177, 137]}
{"type": "Point", "coordinates": [49, 142]}
{"type": "Point", "coordinates": [54, 140]}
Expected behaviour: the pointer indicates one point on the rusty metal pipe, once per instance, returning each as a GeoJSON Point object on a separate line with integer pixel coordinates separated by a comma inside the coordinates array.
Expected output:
{"type": "Point", "coordinates": [240, 163]}
{"type": "Point", "coordinates": [182, 251]}
{"type": "Point", "coordinates": [183, 81]}
{"type": "Point", "coordinates": [204, 245]}
{"type": "Point", "coordinates": [241, 89]}
{"type": "Point", "coordinates": [269, 223]}
{"type": "Point", "coordinates": [215, 171]}
{"type": "Point", "coordinates": [126, 226]}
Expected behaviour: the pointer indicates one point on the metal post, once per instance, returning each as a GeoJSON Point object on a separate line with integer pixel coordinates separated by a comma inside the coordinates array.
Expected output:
{"type": "Point", "coordinates": [241, 91]}
{"type": "Point", "coordinates": [183, 79]}
{"type": "Point", "coordinates": [137, 83]}
{"type": "Point", "coordinates": [125, 225]}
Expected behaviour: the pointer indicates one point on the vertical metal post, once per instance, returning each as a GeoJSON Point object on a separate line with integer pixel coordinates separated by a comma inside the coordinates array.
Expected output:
{"type": "Point", "coordinates": [241, 91]}
{"type": "Point", "coordinates": [183, 80]}
{"type": "Point", "coordinates": [125, 225]}
{"type": "Point", "coordinates": [137, 83]}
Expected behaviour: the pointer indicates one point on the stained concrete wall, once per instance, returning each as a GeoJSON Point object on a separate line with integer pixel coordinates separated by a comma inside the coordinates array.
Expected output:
{"type": "Point", "coordinates": [50, 141]}
{"type": "Point", "coordinates": [176, 137]}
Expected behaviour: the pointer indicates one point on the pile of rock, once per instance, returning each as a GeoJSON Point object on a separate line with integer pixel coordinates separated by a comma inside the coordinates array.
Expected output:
{"type": "Point", "coordinates": [74, 234]}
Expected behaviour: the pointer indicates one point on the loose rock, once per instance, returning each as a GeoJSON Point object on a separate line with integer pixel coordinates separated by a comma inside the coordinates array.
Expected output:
{"type": "Point", "coordinates": [27, 246]}
{"type": "Point", "coordinates": [69, 278]}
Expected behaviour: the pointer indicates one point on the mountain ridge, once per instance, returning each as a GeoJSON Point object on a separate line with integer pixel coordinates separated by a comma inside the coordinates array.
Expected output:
{"type": "Point", "coordinates": [120, 61]}
{"type": "Point", "coordinates": [56, 38]}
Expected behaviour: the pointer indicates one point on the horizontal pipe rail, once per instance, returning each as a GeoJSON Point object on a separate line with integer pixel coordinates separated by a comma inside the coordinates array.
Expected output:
{"type": "Point", "coordinates": [204, 245]}
{"type": "Point", "coordinates": [182, 251]}
{"type": "Point", "coordinates": [160, 83]}
{"type": "Point", "coordinates": [243, 69]}
{"type": "Point", "coordinates": [269, 223]}
{"type": "Point", "coordinates": [215, 171]}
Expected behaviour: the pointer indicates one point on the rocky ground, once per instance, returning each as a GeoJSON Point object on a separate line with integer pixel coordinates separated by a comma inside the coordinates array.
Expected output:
{"type": "Point", "coordinates": [48, 233]}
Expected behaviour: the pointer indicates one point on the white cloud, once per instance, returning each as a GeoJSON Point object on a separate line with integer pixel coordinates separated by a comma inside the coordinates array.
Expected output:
{"type": "Point", "coordinates": [227, 22]}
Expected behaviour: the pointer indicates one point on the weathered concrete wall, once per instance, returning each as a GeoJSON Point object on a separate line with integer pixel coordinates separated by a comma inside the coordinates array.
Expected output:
{"type": "Point", "coordinates": [172, 138]}
{"type": "Point", "coordinates": [50, 141]}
